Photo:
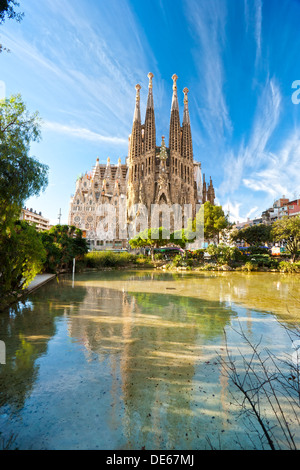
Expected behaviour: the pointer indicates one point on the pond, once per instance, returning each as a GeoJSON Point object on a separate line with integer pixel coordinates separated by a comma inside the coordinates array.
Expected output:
{"type": "Point", "coordinates": [132, 359]}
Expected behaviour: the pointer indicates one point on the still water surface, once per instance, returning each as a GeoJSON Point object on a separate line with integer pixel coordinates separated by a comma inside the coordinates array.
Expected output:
{"type": "Point", "coordinates": [130, 360]}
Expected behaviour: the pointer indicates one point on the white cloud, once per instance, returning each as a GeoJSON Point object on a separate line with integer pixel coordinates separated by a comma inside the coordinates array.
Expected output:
{"type": "Point", "coordinates": [258, 28]}
{"type": "Point", "coordinates": [82, 133]}
{"type": "Point", "coordinates": [252, 212]}
{"type": "Point", "coordinates": [281, 171]}
{"type": "Point", "coordinates": [251, 156]}
{"type": "Point", "coordinates": [253, 15]}
{"type": "Point", "coordinates": [91, 66]}
{"type": "Point", "coordinates": [233, 208]}
{"type": "Point", "coordinates": [208, 21]}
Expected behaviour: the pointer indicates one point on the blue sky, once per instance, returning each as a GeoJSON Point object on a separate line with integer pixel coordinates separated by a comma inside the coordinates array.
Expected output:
{"type": "Point", "coordinates": [78, 62]}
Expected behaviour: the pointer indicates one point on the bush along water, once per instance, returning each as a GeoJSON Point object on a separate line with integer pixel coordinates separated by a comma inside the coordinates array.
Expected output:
{"type": "Point", "coordinates": [223, 257]}
{"type": "Point", "coordinates": [110, 259]}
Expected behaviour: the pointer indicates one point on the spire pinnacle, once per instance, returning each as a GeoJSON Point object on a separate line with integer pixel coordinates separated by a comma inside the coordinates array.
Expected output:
{"type": "Point", "coordinates": [174, 78]}
{"type": "Point", "coordinates": [174, 98]}
{"type": "Point", "coordinates": [138, 87]}
{"type": "Point", "coordinates": [137, 111]}
{"type": "Point", "coordinates": [186, 117]}
{"type": "Point", "coordinates": [185, 91]}
{"type": "Point", "coordinates": [150, 103]}
{"type": "Point", "coordinates": [150, 76]}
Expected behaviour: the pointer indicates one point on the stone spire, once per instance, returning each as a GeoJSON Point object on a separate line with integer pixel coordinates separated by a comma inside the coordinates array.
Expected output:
{"type": "Point", "coordinates": [137, 111]}
{"type": "Point", "coordinates": [150, 138]}
{"type": "Point", "coordinates": [136, 134]}
{"type": "Point", "coordinates": [204, 191]}
{"type": "Point", "coordinates": [175, 97]}
{"type": "Point", "coordinates": [107, 174]}
{"type": "Point", "coordinates": [187, 146]}
{"type": "Point", "coordinates": [211, 192]}
{"type": "Point", "coordinates": [119, 175]}
{"type": "Point", "coordinates": [174, 135]}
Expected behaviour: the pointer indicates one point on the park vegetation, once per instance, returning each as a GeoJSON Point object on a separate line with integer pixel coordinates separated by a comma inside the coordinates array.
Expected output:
{"type": "Point", "coordinates": [220, 256]}
{"type": "Point", "coordinates": [24, 252]}
{"type": "Point", "coordinates": [21, 176]}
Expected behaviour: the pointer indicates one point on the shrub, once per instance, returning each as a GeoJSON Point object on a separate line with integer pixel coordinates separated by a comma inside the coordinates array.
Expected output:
{"type": "Point", "coordinates": [286, 267]}
{"type": "Point", "coordinates": [249, 266]}
{"type": "Point", "coordinates": [105, 259]}
{"type": "Point", "coordinates": [177, 260]}
{"type": "Point", "coordinates": [258, 250]}
{"type": "Point", "coordinates": [264, 260]}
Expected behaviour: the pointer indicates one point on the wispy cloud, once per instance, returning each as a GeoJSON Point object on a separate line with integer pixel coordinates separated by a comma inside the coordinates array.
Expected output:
{"type": "Point", "coordinates": [94, 69]}
{"type": "Point", "coordinates": [280, 172]}
{"type": "Point", "coordinates": [82, 133]}
{"type": "Point", "coordinates": [208, 21]}
{"type": "Point", "coordinates": [258, 28]}
{"type": "Point", "coordinates": [232, 208]}
{"type": "Point", "coordinates": [253, 21]}
{"type": "Point", "coordinates": [250, 156]}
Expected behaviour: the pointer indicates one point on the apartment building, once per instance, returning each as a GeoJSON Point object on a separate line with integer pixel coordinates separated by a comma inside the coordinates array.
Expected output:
{"type": "Point", "coordinates": [33, 217]}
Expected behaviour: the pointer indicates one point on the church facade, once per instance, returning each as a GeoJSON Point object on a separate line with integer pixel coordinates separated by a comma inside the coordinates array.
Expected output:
{"type": "Point", "coordinates": [151, 175]}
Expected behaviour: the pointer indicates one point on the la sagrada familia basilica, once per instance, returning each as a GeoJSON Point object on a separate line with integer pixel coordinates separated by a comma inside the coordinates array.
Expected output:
{"type": "Point", "coordinates": [152, 176]}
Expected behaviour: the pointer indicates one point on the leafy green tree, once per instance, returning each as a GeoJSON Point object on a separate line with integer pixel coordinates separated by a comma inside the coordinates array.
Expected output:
{"type": "Point", "coordinates": [62, 244]}
{"type": "Point", "coordinates": [287, 230]}
{"type": "Point", "coordinates": [253, 235]}
{"type": "Point", "coordinates": [224, 254]}
{"type": "Point", "coordinates": [215, 221]}
{"type": "Point", "coordinates": [7, 10]}
{"type": "Point", "coordinates": [154, 238]}
{"type": "Point", "coordinates": [21, 257]}
{"type": "Point", "coordinates": [21, 176]}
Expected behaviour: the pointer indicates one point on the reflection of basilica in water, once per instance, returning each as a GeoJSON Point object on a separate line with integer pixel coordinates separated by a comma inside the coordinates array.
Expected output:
{"type": "Point", "coordinates": [157, 360]}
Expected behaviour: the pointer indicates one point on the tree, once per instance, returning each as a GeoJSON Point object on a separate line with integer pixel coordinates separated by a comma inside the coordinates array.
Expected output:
{"type": "Point", "coordinates": [21, 176]}
{"type": "Point", "coordinates": [223, 254]}
{"type": "Point", "coordinates": [253, 235]}
{"type": "Point", "coordinates": [154, 238]}
{"type": "Point", "coordinates": [214, 221]}
{"type": "Point", "coordinates": [268, 390]}
{"type": "Point", "coordinates": [7, 10]}
{"type": "Point", "coordinates": [288, 230]}
{"type": "Point", "coordinates": [62, 244]}
{"type": "Point", "coordinates": [21, 257]}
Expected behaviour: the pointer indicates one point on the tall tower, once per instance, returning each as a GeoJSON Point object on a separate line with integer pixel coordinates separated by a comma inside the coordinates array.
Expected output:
{"type": "Point", "coordinates": [175, 130]}
{"type": "Point", "coordinates": [135, 152]}
{"type": "Point", "coordinates": [150, 137]}
{"type": "Point", "coordinates": [187, 175]}
{"type": "Point", "coordinates": [211, 192]}
{"type": "Point", "coordinates": [187, 146]}
{"type": "Point", "coordinates": [147, 191]}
